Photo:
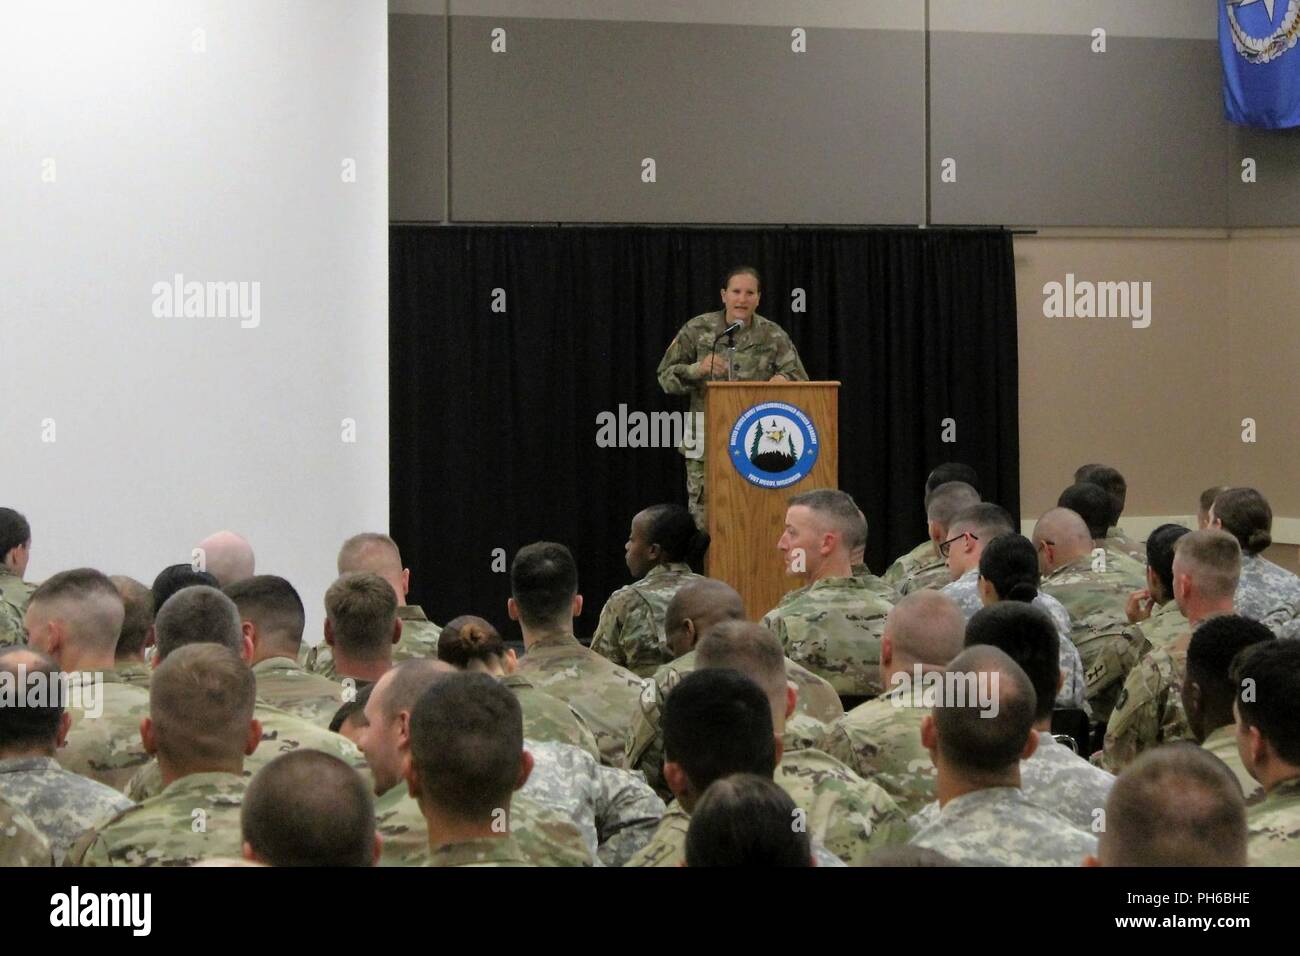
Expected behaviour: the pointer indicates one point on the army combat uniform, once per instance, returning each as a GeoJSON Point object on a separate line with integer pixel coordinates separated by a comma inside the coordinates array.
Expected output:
{"type": "Point", "coordinates": [484, 851]}
{"type": "Point", "coordinates": [15, 593]}
{"type": "Point", "coordinates": [106, 748]}
{"type": "Point", "coordinates": [604, 694]}
{"type": "Point", "coordinates": [631, 628]}
{"type": "Point", "coordinates": [920, 569]}
{"type": "Point", "coordinates": [999, 826]}
{"type": "Point", "coordinates": [1149, 711]}
{"type": "Point", "coordinates": [1222, 742]}
{"type": "Point", "coordinates": [135, 673]}
{"type": "Point", "coordinates": [1119, 542]}
{"type": "Point", "coordinates": [668, 846]}
{"type": "Point", "coordinates": [21, 843]}
{"type": "Point", "coordinates": [419, 639]}
{"type": "Point", "coordinates": [880, 741]}
{"type": "Point", "coordinates": [286, 684]}
{"type": "Point", "coordinates": [1267, 593]}
{"type": "Point", "coordinates": [862, 573]}
{"type": "Point", "coordinates": [63, 805]}
{"type": "Point", "coordinates": [194, 818]}
{"type": "Point", "coordinates": [1273, 827]}
{"type": "Point", "coordinates": [762, 350]}
{"type": "Point", "coordinates": [549, 718]}
{"type": "Point", "coordinates": [834, 629]}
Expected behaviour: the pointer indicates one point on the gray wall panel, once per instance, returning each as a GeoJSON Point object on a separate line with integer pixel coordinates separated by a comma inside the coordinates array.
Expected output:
{"type": "Point", "coordinates": [417, 122]}
{"type": "Point", "coordinates": [742, 129]}
{"type": "Point", "coordinates": [1274, 198]}
{"type": "Point", "coordinates": [1047, 132]}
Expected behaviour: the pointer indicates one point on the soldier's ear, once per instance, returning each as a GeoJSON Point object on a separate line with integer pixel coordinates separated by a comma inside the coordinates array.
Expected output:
{"type": "Point", "coordinates": [525, 769]}
{"type": "Point", "coordinates": [147, 736]}
{"type": "Point", "coordinates": [577, 605]}
{"type": "Point", "coordinates": [791, 699]}
{"type": "Point", "coordinates": [329, 633]}
{"type": "Point", "coordinates": [379, 849]}
{"type": "Point", "coordinates": [254, 737]}
{"type": "Point", "coordinates": [512, 609]}
{"type": "Point", "coordinates": [397, 629]}
{"type": "Point", "coordinates": [1091, 861]}
{"type": "Point", "coordinates": [65, 724]}
{"type": "Point", "coordinates": [1031, 744]}
{"type": "Point", "coordinates": [929, 733]}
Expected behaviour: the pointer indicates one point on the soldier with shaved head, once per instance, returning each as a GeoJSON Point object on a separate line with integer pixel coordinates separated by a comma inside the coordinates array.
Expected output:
{"type": "Point", "coordinates": [227, 556]}
{"type": "Point", "coordinates": [881, 739]}
{"type": "Point", "coordinates": [976, 742]}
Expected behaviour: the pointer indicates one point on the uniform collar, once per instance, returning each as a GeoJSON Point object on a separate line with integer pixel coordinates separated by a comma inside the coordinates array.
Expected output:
{"type": "Point", "coordinates": [411, 612]}
{"type": "Point", "coordinates": [197, 781]}
{"type": "Point", "coordinates": [672, 567]}
{"type": "Point", "coordinates": [28, 764]}
{"type": "Point", "coordinates": [276, 664]}
{"type": "Point", "coordinates": [479, 850]}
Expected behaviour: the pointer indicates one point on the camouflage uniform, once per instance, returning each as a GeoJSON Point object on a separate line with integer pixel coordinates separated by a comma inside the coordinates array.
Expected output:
{"type": "Point", "coordinates": [1267, 593]}
{"type": "Point", "coordinates": [485, 851]}
{"type": "Point", "coordinates": [63, 805]}
{"type": "Point", "coordinates": [1165, 625]}
{"type": "Point", "coordinates": [631, 628]}
{"type": "Point", "coordinates": [834, 630]}
{"type": "Point", "coordinates": [286, 685]}
{"type": "Point", "coordinates": [881, 742]}
{"type": "Point", "coordinates": [1149, 711]}
{"type": "Point", "coordinates": [1096, 602]}
{"type": "Point", "coordinates": [876, 585]}
{"type": "Point", "coordinates": [282, 732]}
{"type": "Point", "coordinates": [549, 718]}
{"type": "Point", "coordinates": [762, 350]}
{"type": "Point", "coordinates": [1120, 543]}
{"type": "Point", "coordinates": [134, 673]}
{"type": "Point", "coordinates": [999, 826]}
{"type": "Point", "coordinates": [918, 570]}
{"type": "Point", "coordinates": [419, 639]}
{"type": "Point", "coordinates": [668, 846]}
{"type": "Point", "coordinates": [616, 811]}
{"type": "Point", "coordinates": [1222, 742]}
{"type": "Point", "coordinates": [21, 843]}
{"type": "Point", "coordinates": [604, 694]}
{"type": "Point", "coordinates": [106, 748]}
{"type": "Point", "coordinates": [1056, 778]}
{"type": "Point", "coordinates": [15, 593]}
{"type": "Point", "coordinates": [192, 819]}
{"type": "Point", "coordinates": [965, 594]}
{"type": "Point", "coordinates": [1272, 827]}
{"type": "Point", "coordinates": [544, 836]}
{"type": "Point", "coordinates": [816, 704]}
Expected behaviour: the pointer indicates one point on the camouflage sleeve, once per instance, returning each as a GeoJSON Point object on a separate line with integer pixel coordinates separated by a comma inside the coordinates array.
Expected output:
{"type": "Point", "coordinates": [88, 850]}
{"type": "Point", "coordinates": [645, 749]}
{"type": "Point", "coordinates": [586, 738]}
{"type": "Point", "coordinates": [787, 361]}
{"type": "Point", "coordinates": [627, 815]}
{"type": "Point", "coordinates": [775, 623]}
{"type": "Point", "coordinates": [607, 640]}
{"type": "Point", "coordinates": [12, 630]}
{"type": "Point", "coordinates": [677, 373]}
{"type": "Point", "coordinates": [1135, 722]}
{"type": "Point", "coordinates": [1110, 668]}
{"type": "Point", "coordinates": [836, 742]}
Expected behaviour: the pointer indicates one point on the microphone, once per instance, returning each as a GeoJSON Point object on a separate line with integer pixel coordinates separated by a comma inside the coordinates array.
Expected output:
{"type": "Point", "coordinates": [729, 332]}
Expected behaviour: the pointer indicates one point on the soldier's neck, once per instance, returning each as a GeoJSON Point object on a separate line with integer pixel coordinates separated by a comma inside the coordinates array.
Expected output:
{"type": "Point", "coordinates": [835, 566]}
{"type": "Point", "coordinates": [445, 829]}
{"type": "Point", "coordinates": [951, 785]}
{"type": "Point", "coordinates": [171, 772]}
{"type": "Point", "coordinates": [73, 659]}
{"type": "Point", "coordinates": [548, 633]}
{"type": "Point", "coordinates": [26, 753]}
{"type": "Point", "coordinates": [1196, 612]}
{"type": "Point", "coordinates": [371, 671]}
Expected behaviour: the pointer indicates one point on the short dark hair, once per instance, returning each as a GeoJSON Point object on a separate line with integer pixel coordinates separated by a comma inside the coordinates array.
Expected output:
{"type": "Point", "coordinates": [1246, 516]}
{"type": "Point", "coordinates": [746, 820]}
{"type": "Point", "coordinates": [543, 582]}
{"type": "Point", "coordinates": [137, 602]}
{"type": "Point", "coordinates": [742, 271]}
{"type": "Point", "coordinates": [1010, 564]}
{"type": "Point", "coordinates": [91, 601]}
{"type": "Point", "coordinates": [354, 710]}
{"type": "Point", "coordinates": [467, 738]}
{"type": "Point", "coordinates": [468, 638]}
{"type": "Point", "coordinates": [951, 471]}
{"type": "Point", "coordinates": [1160, 554]}
{"type": "Point", "coordinates": [986, 519]}
{"type": "Point", "coordinates": [1209, 494]}
{"type": "Point", "coordinates": [948, 500]}
{"type": "Point", "coordinates": [176, 577]}
{"type": "Point", "coordinates": [309, 808]}
{"type": "Point", "coordinates": [1274, 668]}
{"type": "Point", "coordinates": [30, 726]}
{"type": "Point", "coordinates": [1108, 478]}
{"type": "Point", "coordinates": [716, 723]}
{"type": "Point", "coordinates": [672, 528]}
{"type": "Point", "coordinates": [201, 700]}
{"type": "Point", "coordinates": [14, 531]}
{"type": "Point", "coordinates": [834, 507]}
{"type": "Point", "coordinates": [1028, 636]}
{"type": "Point", "coordinates": [1214, 645]}
{"type": "Point", "coordinates": [968, 737]}
{"type": "Point", "coordinates": [1175, 805]}
{"type": "Point", "coordinates": [274, 607]}
{"type": "Point", "coordinates": [1094, 504]}
{"type": "Point", "coordinates": [361, 607]}
{"type": "Point", "coordinates": [197, 615]}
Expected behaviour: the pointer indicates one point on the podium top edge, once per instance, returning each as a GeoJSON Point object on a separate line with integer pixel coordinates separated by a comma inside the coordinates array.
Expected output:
{"type": "Point", "coordinates": [772, 384]}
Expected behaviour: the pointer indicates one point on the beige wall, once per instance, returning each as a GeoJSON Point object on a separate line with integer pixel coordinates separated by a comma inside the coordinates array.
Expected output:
{"type": "Point", "coordinates": [1164, 404]}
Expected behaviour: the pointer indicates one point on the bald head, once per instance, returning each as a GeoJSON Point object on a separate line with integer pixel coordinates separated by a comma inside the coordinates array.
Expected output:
{"type": "Point", "coordinates": [752, 650]}
{"type": "Point", "coordinates": [75, 615]}
{"type": "Point", "coordinates": [228, 557]}
{"type": "Point", "coordinates": [925, 628]}
{"type": "Point", "coordinates": [1061, 536]}
{"type": "Point", "coordinates": [1176, 805]}
{"type": "Point", "coordinates": [695, 608]}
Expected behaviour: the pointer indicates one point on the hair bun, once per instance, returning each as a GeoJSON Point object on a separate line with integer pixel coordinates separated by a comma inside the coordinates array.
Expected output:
{"type": "Point", "coordinates": [1258, 541]}
{"type": "Point", "coordinates": [1022, 591]}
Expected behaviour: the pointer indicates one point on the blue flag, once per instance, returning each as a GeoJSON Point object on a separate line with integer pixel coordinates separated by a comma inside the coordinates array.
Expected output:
{"type": "Point", "coordinates": [1261, 65]}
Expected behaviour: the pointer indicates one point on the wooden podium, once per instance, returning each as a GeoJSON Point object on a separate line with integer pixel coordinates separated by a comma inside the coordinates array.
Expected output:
{"type": "Point", "coordinates": [747, 519]}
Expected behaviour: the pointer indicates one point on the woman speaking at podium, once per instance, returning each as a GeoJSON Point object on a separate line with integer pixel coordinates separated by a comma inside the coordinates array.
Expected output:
{"type": "Point", "coordinates": [734, 344]}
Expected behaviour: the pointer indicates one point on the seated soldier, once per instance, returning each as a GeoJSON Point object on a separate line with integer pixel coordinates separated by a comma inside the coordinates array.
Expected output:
{"type": "Point", "coordinates": [361, 627]}
{"type": "Point", "coordinates": [1095, 505]}
{"type": "Point", "coordinates": [1174, 806]}
{"type": "Point", "coordinates": [137, 631]}
{"type": "Point", "coordinates": [307, 808]}
{"type": "Point", "coordinates": [922, 567]}
{"type": "Point", "coordinates": [746, 820]}
{"type": "Point", "coordinates": [662, 546]}
{"type": "Point", "coordinates": [1153, 614]}
{"type": "Point", "coordinates": [227, 556]}
{"type": "Point", "coordinates": [1266, 592]}
{"type": "Point", "coordinates": [15, 552]}
{"type": "Point", "coordinates": [1111, 481]}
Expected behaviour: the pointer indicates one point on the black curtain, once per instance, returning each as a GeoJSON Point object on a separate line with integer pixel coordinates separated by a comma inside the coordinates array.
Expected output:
{"type": "Point", "coordinates": [493, 414]}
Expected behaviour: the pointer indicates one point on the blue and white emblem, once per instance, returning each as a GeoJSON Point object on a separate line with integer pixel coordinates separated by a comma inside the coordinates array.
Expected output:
{"type": "Point", "coordinates": [1256, 36]}
{"type": "Point", "coordinates": [773, 445]}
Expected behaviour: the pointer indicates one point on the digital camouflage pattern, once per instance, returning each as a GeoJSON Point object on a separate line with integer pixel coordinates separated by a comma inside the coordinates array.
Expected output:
{"type": "Point", "coordinates": [282, 732]}
{"type": "Point", "coordinates": [21, 843]}
{"type": "Point", "coordinates": [668, 846]}
{"type": "Point", "coordinates": [1118, 542]}
{"type": "Point", "coordinates": [834, 629]}
{"type": "Point", "coordinates": [1223, 744]}
{"type": "Point", "coordinates": [549, 718]}
{"type": "Point", "coordinates": [999, 826]}
{"type": "Point", "coordinates": [419, 639]}
{"type": "Point", "coordinates": [1273, 827]}
{"type": "Point", "coordinates": [918, 570]}
{"type": "Point", "coordinates": [15, 593]}
{"type": "Point", "coordinates": [616, 811]}
{"type": "Point", "coordinates": [485, 851]}
{"type": "Point", "coordinates": [106, 748]}
{"type": "Point", "coordinates": [544, 836]}
{"type": "Point", "coordinates": [881, 742]}
{"type": "Point", "coordinates": [604, 694]}
{"type": "Point", "coordinates": [816, 704]}
{"type": "Point", "coordinates": [631, 628]}
{"type": "Point", "coordinates": [964, 592]}
{"type": "Point", "coordinates": [134, 673]}
{"type": "Point", "coordinates": [1267, 593]}
{"type": "Point", "coordinates": [1058, 779]}
{"type": "Point", "coordinates": [194, 818]}
{"type": "Point", "coordinates": [287, 685]}
{"type": "Point", "coordinates": [62, 805]}
{"type": "Point", "coordinates": [1149, 710]}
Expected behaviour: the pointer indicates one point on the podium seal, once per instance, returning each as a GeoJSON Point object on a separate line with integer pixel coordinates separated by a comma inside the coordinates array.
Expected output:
{"type": "Point", "coordinates": [773, 445]}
